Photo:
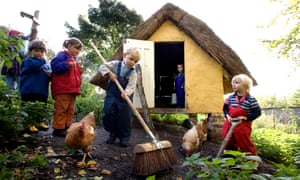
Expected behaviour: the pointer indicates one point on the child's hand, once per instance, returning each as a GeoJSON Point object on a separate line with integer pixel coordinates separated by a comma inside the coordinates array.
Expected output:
{"type": "Point", "coordinates": [124, 94]}
{"type": "Point", "coordinates": [228, 117]}
{"type": "Point", "coordinates": [46, 69]}
{"type": "Point", "coordinates": [243, 118]}
{"type": "Point", "coordinates": [71, 63]}
{"type": "Point", "coordinates": [81, 69]}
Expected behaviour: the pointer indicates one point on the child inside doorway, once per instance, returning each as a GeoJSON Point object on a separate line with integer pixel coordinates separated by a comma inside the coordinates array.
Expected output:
{"type": "Point", "coordinates": [179, 86]}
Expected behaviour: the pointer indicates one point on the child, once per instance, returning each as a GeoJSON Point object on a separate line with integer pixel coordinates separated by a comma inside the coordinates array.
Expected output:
{"type": "Point", "coordinates": [34, 82]}
{"type": "Point", "coordinates": [179, 87]}
{"type": "Point", "coordinates": [241, 105]}
{"type": "Point", "coordinates": [117, 112]}
{"type": "Point", "coordinates": [65, 85]}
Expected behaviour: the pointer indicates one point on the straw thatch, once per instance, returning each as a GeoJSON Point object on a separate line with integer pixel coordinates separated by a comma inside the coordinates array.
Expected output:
{"type": "Point", "coordinates": [198, 31]}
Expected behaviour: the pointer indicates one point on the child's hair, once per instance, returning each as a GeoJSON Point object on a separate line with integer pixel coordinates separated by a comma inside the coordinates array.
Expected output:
{"type": "Point", "coordinates": [73, 42]}
{"type": "Point", "coordinates": [37, 44]}
{"type": "Point", "coordinates": [246, 81]}
{"type": "Point", "coordinates": [180, 64]}
{"type": "Point", "coordinates": [134, 52]}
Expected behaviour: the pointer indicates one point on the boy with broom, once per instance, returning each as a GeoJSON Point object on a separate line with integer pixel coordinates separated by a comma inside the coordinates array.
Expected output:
{"type": "Point", "coordinates": [117, 112]}
{"type": "Point", "coordinates": [149, 158]}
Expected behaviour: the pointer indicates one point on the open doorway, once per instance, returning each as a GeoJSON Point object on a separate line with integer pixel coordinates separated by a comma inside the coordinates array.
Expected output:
{"type": "Point", "coordinates": [167, 56]}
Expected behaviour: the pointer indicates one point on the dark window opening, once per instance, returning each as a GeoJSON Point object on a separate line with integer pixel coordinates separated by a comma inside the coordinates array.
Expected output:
{"type": "Point", "coordinates": [167, 56]}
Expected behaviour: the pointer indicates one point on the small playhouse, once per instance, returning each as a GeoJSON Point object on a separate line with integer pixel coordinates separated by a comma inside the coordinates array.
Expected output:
{"type": "Point", "coordinates": [171, 36]}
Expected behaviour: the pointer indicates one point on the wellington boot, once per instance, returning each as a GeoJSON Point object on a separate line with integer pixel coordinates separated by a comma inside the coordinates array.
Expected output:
{"type": "Point", "coordinates": [42, 126]}
{"type": "Point", "coordinates": [33, 129]}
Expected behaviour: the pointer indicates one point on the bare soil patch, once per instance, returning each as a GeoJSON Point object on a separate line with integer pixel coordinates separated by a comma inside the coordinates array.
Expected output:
{"type": "Point", "coordinates": [117, 160]}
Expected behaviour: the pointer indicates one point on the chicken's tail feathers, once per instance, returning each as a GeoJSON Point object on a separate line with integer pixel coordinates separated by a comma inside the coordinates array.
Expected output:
{"type": "Point", "coordinates": [90, 117]}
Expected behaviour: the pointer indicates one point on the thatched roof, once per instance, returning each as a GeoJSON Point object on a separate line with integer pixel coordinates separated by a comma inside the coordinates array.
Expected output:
{"type": "Point", "coordinates": [198, 31]}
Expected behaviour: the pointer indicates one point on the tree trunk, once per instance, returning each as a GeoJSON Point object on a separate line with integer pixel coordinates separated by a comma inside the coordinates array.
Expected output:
{"type": "Point", "coordinates": [34, 27]}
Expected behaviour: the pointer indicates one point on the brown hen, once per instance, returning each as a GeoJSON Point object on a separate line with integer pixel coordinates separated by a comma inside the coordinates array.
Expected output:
{"type": "Point", "coordinates": [193, 137]}
{"type": "Point", "coordinates": [82, 134]}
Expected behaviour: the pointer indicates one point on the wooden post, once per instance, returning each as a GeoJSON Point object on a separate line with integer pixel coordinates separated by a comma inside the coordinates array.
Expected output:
{"type": "Point", "coordinates": [142, 98]}
{"type": "Point", "coordinates": [34, 27]}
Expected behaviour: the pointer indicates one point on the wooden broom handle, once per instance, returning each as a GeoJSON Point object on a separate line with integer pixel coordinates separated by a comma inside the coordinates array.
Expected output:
{"type": "Point", "coordinates": [137, 114]}
{"type": "Point", "coordinates": [234, 123]}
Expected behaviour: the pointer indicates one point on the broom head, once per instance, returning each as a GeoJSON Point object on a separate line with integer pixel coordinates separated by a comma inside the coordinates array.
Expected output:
{"type": "Point", "coordinates": [151, 159]}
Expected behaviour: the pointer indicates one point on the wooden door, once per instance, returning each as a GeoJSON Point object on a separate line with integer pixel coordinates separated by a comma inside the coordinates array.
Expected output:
{"type": "Point", "coordinates": [147, 66]}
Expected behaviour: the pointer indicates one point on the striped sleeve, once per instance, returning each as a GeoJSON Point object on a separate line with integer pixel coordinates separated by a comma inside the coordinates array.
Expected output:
{"type": "Point", "coordinates": [254, 110]}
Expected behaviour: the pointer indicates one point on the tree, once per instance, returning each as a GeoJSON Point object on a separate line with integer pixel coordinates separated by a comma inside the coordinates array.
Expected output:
{"type": "Point", "coordinates": [287, 45]}
{"type": "Point", "coordinates": [295, 101]}
{"type": "Point", "coordinates": [107, 25]}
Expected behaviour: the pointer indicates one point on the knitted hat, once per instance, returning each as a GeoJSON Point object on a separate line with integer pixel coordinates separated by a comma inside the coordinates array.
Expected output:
{"type": "Point", "coordinates": [14, 32]}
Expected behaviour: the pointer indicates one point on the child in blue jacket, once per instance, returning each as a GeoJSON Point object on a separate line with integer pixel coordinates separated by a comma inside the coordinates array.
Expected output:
{"type": "Point", "coordinates": [34, 81]}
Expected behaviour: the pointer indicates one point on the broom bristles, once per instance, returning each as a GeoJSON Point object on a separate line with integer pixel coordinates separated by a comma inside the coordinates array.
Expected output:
{"type": "Point", "coordinates": [151, 162]}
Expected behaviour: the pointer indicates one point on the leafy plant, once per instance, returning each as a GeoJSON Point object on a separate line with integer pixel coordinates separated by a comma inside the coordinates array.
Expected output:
{"type": "Point", "coordinates": [170, 118]}
{"type": "Point", "coordinates": [276, 145]}
{"type": "Point", "coordinates": [6, 55]}
{"type": "Point", "coordinates": [237, 166]}
{"type": "Point", "coordinates": [287, 171]}
{"type": "Point", "coordinates": [36, 112]}
{"type": "Point", "coordinates": [84, 105]}
{"type": "Point", "coordinates": [11, 116]}
{"type": "Point", "coordinates": [16, 116]}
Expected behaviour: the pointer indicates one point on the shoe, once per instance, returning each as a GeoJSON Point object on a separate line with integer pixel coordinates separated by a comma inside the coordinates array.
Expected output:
{"type": "Point", "coordinates": [32, 129]}
{"type": "Point", "coordinates": [123, 144]}
{"type": "Point", "coordinates": [59, 132]}
{"type": "Point", "coordinates": [42, 126]}
{"type": "Point", "coordinates": [111, 139]}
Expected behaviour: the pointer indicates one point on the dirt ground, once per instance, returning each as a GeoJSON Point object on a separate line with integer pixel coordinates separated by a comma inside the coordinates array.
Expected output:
{"type": "Point", "coordinates": [117, 160]}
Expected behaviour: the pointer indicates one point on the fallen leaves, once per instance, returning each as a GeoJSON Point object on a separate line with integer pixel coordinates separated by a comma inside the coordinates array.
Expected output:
{"type": "Point", "coordinates": [26, 135]}
{"type": "Point", "coordinates": [82, 172]}
{"type": "Point", "coordinates": [56, 170]}
{"type": "Point", "coordinates": [105, 172]}
{"type": "Point", "coordinates": [50, 152]}
{"type": "Point", "coordinates": [91, 165]}
{"type": "Point", "coordinates": [62, 159]}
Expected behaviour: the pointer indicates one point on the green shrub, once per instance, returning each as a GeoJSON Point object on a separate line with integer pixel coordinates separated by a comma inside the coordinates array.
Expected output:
{"type": "Point", "coordinates": [11, 115]}
{"type": "Point", "coordinates": [287, 172]}
{"type": "Point", "coordinates": [276, 145]}
{"type": "Point", "coordinates": [36, 112]}
{"type": "Point", "coordinates": [84, 105]}
{"type": "Point", "coordinates": [170, 118]}
{"type": "Point", "coordinates": [176, 119]}
{"type": "Point", "coordinates": [16, 116]}
{"type": "Point", "coordinates": [5, 55]}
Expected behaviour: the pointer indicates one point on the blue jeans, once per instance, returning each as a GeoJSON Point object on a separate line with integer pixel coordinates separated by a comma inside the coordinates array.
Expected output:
{"type": "Point", "coordinates": [13, 81]}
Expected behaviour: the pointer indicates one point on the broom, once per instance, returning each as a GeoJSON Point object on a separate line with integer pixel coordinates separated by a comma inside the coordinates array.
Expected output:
{"type": "Point", "coordinates": [150, 158]}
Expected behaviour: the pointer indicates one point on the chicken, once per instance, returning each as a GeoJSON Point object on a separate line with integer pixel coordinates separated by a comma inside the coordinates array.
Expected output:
{"type": "Point", "coordinates": [82, 134]}
{"type": "Point", "coordinates": [193, 137]}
